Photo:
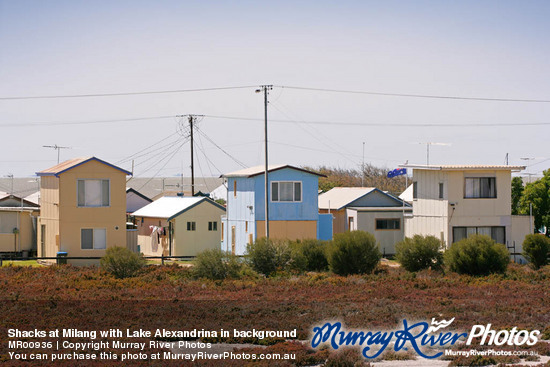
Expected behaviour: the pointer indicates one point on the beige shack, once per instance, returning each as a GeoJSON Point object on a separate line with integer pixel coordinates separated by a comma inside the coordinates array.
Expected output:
{"type": "Point", "coordinates": [83, 209]}
{"type": "Point", "coordinates": [453, 202]}
{"type": "Point", "coordinates": [17, 225]}
{"type": "Point", "coordinates": [179, 226]}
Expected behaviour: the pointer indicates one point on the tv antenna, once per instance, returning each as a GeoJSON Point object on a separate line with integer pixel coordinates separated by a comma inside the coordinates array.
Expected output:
{"type": "Point", "coordinates": [428, 149]}
{"type": "Point", "coordinates": [56, 147]}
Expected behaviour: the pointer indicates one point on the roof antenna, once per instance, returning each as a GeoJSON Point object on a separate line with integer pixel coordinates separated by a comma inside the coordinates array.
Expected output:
{"type": "Point", "coordinates": [56, 147]}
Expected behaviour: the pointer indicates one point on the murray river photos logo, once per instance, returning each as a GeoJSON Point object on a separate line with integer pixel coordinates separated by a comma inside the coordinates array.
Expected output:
{"type": "Point", "coordinates": [417, 336]}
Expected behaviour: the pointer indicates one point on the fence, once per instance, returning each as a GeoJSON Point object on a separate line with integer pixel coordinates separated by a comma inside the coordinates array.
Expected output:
{"type": "Point", "coordinates": [63, 259]}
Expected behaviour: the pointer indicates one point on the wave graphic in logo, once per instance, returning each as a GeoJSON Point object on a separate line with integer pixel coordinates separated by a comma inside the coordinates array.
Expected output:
{"type": "Point", "coordinates": [439, 325]}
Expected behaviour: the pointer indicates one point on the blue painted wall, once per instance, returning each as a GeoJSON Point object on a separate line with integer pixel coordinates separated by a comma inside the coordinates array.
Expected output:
{"type": "Point", "coordinates": [248, 206]}
{"type": "Point", "coordinates": [307, 209]}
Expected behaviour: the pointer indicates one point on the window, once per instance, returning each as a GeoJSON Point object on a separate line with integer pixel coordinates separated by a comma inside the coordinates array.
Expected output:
{"type": "Point", "coordinates": [441, 190]}
{"type": "Point", "coordinates": [286, 191]}
{"type": "Point", "coordinates": [246, 226]}
{"type": "Point", "coordinates": [223, 228]}
{"type": "Point", "coordinates": [93, 193]}
{"type": "Point", "coordinates": [415, 190]}
{"type": "Point", "coordinates": [496, 233]}
{"type": "Point", "coordinates": [212, 226]}
{"type": "Point", "coordinates": [480, 187]}
{"type": "Point", "coordinates": [93, 238]}
{"type": "Point", "coordinates": [191, 226]}
{"type": "Point", "coordinates": [234, 188]}
{"type": "Point", "coordinates": [388, 223]}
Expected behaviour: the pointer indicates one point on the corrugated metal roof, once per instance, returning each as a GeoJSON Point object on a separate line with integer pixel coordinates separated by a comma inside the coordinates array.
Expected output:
{"type": "Point", "coordinates": [460, 167]}
{"type": "Point", "coordinates": [259, 170]}
{"type": "Point", "coordinates": [71, 163]}
{"type": "Point", "coordinates": [171, 206]}
{"type": "Point", "coordinates": [167, 206]}
{"type": "Point", "coordinates": [339, 197]}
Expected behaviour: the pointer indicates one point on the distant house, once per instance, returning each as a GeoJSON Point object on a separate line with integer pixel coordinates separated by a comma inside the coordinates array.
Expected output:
{"type": "Point", "coordinates": [17, 224]}
{"type": "Point", "coordinates": [135, 200]}
{"type": "Point", "coordinates": [367, 209]}
{"type": "Point", "coordinates": [453, 202]}
{"type": "Point", "coordinates": [293, 209]}
{"type": "Point", "coordinates": [83, 209]}
{"type": "Point", "coordinates": [179, 226]}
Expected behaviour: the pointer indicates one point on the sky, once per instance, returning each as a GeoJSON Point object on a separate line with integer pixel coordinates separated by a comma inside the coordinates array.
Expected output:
{"type": "Point", "coordinates": [487, 49]}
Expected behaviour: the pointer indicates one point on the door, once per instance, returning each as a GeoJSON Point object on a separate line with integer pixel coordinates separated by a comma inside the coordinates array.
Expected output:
{"type": "Point", "coordinates": [42, 240]}
{"type": "Point", "coordinates": [233, 239]}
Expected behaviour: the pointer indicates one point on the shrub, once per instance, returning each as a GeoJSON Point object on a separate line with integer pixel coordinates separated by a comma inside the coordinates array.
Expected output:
{"type": "Point", "coordinates": [216, 264]}
{"type": "Point", "coordinates": [536, 249]}
{"type": "Point", "coordinates": [309, 255]}
{"type": "Point", "coordinates": [268, 256]}
{"type": "Point", "coordinates": [121, 262]}
{"type": "Point", "coordinates": [354, 252]}
{"type": "Point", "coordinates": [419, 253]}
{"type": "Point", "coordinates": [477, 255]}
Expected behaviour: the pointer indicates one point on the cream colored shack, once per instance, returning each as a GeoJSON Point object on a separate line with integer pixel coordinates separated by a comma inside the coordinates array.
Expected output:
{"type": "Point", "coordinates": [454, 202]}
{"type": "Point", "coordinates": [179, 226]}
{"type": "Point", "coordinates": [17, 227]}
{"type": "Point", "coordinates": [83, 204]}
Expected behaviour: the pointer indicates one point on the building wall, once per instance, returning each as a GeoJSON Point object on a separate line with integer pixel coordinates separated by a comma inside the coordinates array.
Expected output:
{"type": "Point", "coordinates": [386, 238]}
{"type": "Point", "coordinates": [24, 241]}
{"type": "Point", "coordinates": [190, 243]}
{"type": "Point", "coordinates": [437, 217]}
{"type": "Point", "coordinates": [339, 223]}
{"type": "Point", "coordinates": [288, 229]}
{"type": "Point", "coordinates": [307, 209]}
{"type": "Point", "coordinates": [49, 216]}
{"type": "Point", "coordinates": [240, 215]}
{"type": "Point", "coordinates": [135, 202]}
{"type": "Point", "coordinates": [74, 218]}
{"type": "Point", "coordinates": [152, 245]}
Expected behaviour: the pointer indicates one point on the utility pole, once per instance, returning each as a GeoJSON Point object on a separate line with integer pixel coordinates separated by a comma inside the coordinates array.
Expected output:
{"type": "Point", "coordinates": [56, 147]}
{"type": "Point", "coordinates": [363, 167]}
{"type": "Point", "coordinates": [191, 118]}
{"type": "Point", "coordinates": [266, 89]}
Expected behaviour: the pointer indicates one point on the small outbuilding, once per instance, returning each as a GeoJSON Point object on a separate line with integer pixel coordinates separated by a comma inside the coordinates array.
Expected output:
{"type": "Point", "coordinates": [367, 209]}
{"type": "Point", "coordinates": [179, 226]}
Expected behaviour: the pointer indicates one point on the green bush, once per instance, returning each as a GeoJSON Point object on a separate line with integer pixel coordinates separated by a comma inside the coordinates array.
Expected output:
{"type": "Point", "coordinates": [477, 255]}
{"type": "Point", "coordinates": [354, 252]}
{"type": "Point", "coordinates": [309, 255]}
{"type": "Point", "coordinates": [419, 253]}
{"type": "Point", "coordinates": [216, 264]}
{"type": "Point", "coordinates": [121, 262]}
{"type": "Point", "coordinates": [536, 249]}
{"type": "Point", "coordinates": [268, 256]}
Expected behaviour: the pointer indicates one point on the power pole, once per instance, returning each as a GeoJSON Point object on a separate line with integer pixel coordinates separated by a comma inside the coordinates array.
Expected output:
{"type": "Point", "coordinates": [191, 118]}
{"type": "Point", "coordinates": [266, 89]}
{"type": "Point", "coordinates": [363, 167]}
{"type": "Point", "coordinates": [56, 147]}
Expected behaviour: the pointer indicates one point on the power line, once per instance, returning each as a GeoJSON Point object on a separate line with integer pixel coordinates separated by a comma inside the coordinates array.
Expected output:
{"type": "Point", "coordinates": [88, 122]}
{"type": "Point", "coordinates": [220, 148]}
{"type": "Point", "coordinates": [126, 93]}
{"type": "Point", "coordinates": [415, 95]}
{"type": "Point", "coordinates": [383, 124]}
{"type": "Point", "coordinates": [313, 122]}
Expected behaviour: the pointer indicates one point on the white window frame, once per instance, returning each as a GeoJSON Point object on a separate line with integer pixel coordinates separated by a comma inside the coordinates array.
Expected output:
{"type": "Point", "coordinates": [191, 226]}
{"type": "Point", "coordinates": [93, 239]}
{"type": "Point", "coordinates": [93, 179]}
{"type": "Point", "coordinates": [279, 191]}
{"type": "Point", "coordinates": [213, 226]}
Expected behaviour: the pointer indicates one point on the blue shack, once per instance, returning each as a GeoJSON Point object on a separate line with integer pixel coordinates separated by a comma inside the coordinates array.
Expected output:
{"type": "Point", "coordinates": [293, 206]}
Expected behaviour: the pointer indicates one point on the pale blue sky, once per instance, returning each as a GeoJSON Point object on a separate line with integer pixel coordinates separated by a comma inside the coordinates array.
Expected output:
{"type": "Point", "coordinates": [495, 49]}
